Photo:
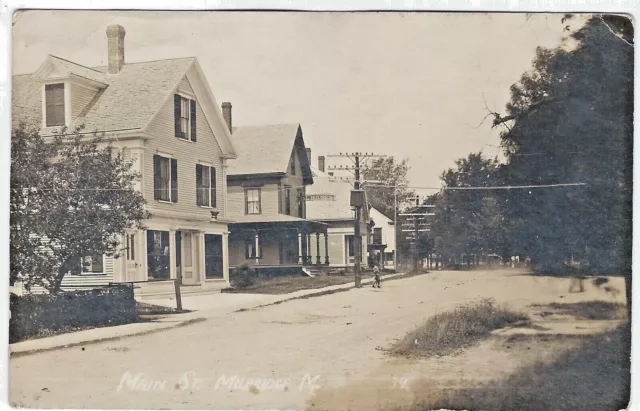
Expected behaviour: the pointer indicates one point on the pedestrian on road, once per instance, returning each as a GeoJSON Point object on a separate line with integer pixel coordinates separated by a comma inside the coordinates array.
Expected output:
{"type": "Point", "coordinates": [376, 276]}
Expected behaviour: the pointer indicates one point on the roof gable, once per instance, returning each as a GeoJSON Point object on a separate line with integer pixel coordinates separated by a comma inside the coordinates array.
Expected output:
{"type": "Point", "coordinates": [267, 150]}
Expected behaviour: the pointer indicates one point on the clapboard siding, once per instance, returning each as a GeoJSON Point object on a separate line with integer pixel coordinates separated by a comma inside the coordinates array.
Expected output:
{"type": "Point", "coordinates": [269, 200]}
{"type": "Point", "coordinates": [80, 98]}
{"type": "Point", "coordinates": [205, 149]}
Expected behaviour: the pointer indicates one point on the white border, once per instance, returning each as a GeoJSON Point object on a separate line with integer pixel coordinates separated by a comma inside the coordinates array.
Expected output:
{"type": "Point", "coordinates": [9, 6]}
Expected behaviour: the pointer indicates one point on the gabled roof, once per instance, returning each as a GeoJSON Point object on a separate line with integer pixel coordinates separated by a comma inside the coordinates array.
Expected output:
{"type": "Point", "coordinates": [128, 102]}
{"type": "Point", "coordinates": [267, 150]}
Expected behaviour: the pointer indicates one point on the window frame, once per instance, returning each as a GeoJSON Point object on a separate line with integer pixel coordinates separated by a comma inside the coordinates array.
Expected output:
{"type": "Point", "coordinates": [246, 200]}
{"type": "Point", "coordinates": [287, 200]}
{"type": "Point", "coordinates": [205, 170]}
{"type": "Point", "coordinates": [189, 104]}
{"type": "Point", "coordinates": [83, 267]}
{"type": "Point", "coordinates": [65, 103]}
{"type": "Point", "coordinates": [171, 189]}
{"type": "Point", "coordinates": [292, 163]}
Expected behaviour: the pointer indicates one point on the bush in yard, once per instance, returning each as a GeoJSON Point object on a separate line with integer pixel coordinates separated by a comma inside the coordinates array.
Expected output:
{"type": "Point", "coordinates": [243, 276]}
{"type": "Point", "coordinates": [45, 314]}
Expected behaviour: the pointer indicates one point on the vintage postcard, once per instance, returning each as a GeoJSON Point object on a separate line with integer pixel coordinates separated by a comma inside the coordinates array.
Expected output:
{"type": "Point", "coordinates": [321, 210]}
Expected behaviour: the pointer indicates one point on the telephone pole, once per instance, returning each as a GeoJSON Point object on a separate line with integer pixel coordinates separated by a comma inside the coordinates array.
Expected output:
{"type": "Point", "coordinates": [416, 224]}
{"type": "Point", "coordinates": [358, 202]}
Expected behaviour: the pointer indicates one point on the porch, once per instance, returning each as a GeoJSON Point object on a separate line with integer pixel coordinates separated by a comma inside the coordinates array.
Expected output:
{"type": "Point", "coordinates": [282, 242]}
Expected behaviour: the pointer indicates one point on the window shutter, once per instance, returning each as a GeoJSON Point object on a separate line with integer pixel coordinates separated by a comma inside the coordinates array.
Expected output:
{"type": "Point", "coordinates": [198, 184]}
{"type": "Point", "coordinates": [174, 180]}
{"type": "Point", "coordinates": [214, 203]}
{"type": "Point", "coordinates": [156, 177]}
{"type": "Point", "coordinates": [192, 105]}
{"type": "Point", "coordinates": [259, 201]}
{"type": "Point", "coordinates": [246, 202]}
{"type": "Point", "coordinates": [176, 111]}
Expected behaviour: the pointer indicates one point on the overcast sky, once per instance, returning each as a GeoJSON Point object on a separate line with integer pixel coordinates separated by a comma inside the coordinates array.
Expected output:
{"type": "Point", "coordinates": [409, 85]}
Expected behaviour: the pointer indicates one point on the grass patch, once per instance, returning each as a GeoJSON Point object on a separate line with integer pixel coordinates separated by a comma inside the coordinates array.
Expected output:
{"type": "Point", "coordinates": [592, 310]}
{"type": "Point", "coordinates": [145, 309]}
{"type": "Point", "coordinates": [289, 284]}
{"type": "Point", "coordinates": [448, 332]}
{"type": "Point", "coordinates": [594, 376]}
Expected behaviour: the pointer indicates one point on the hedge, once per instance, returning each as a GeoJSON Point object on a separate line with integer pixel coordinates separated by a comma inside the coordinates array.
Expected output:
{"type": "Point", "coordinates": [45, 314]}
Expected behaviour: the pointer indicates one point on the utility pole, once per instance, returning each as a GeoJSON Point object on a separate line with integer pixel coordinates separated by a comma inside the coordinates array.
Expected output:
{"type": "Point", "coordinates": [357, 201]}
{"type": "Point", "coordinates": [416, 224]}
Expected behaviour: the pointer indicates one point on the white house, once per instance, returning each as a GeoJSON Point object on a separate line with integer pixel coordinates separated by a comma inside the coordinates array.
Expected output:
{"type": "Point", "coordinates": [163, 116]}
{"type": "Point", "coordinates": [383, 239]}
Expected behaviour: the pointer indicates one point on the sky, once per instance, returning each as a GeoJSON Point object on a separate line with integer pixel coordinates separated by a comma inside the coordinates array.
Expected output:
{"type": "Point", "coordinates": [403, 84]}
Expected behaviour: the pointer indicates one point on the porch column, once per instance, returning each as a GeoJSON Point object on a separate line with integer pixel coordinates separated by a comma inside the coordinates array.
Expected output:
{"type": "Point", "coordinates": [225, 256]}
{"type": "Point", "coordinates": [143, 273]}
{"type": "Point", "coordinates": [172, 254]}
{"type": "Point", "coordinates": [257, 245]}
{"type": "Point", "coordinates": [299, 247]}
{"type": "Point", "coordinates": [202, 270]}
{"type": "Point", "coordinates": [318, 248]}
{"type": "Point", "coordinates": [381, 258]}
{"type": "Point", "coordinates": [326, 248]}
{"type": "Point", "coordinates": [309, 257]}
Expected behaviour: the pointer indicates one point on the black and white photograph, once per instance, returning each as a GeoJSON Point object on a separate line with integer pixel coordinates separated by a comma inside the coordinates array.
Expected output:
{"type": "Point", "coordinates": [320, 210]}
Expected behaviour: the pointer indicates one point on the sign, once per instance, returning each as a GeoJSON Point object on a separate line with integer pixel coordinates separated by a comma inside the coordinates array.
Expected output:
{"type": "Point", "coordinates": [321, 197]}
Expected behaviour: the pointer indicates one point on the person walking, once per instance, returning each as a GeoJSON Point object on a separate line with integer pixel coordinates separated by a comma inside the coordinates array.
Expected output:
{"type": "Point", "coordinates": [376, 276]}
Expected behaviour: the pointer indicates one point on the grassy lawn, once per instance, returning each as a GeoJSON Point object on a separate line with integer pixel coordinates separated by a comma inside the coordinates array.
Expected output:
{"type": "Point", "coordinates": [448, 332]}
{"type": "Point", "coordinates": [289, 284]}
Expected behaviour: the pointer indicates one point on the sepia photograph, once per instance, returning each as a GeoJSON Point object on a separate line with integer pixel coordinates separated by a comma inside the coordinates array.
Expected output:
{"type": "Point", "coordinates": [304, 210]}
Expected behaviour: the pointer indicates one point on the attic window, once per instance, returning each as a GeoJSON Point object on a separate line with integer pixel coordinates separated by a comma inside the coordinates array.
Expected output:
{"type": "Point", "coordinates": [54, 98]}
{"type": "Point", "coordinates": [185, 117]}
{"type": "Point", "coordinates": [293, 164]}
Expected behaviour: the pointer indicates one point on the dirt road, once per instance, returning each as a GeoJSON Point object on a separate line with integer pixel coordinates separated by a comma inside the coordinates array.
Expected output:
{"type": "Point", "coordinates": [294, 355]}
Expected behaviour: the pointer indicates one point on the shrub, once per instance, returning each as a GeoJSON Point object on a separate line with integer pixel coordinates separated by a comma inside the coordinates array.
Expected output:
{"type": "Point", "coordinates": [243, 276]}
{"type": "Point", "coordinates": [44, 314]}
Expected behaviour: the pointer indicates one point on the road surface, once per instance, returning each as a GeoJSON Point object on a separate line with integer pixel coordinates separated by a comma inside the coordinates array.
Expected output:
{"type": "Point", "coordinates": [274, 357]}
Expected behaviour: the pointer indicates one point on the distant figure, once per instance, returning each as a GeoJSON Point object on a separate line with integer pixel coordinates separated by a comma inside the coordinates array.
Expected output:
{"type": "Point", "coordinates": [376, 276]}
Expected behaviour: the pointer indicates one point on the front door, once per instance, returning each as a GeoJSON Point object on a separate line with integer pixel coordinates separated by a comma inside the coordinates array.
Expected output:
{"type": "Point", "coordinates": [186, 269]}
{"type": "Point", "coordinates": [131, 265]}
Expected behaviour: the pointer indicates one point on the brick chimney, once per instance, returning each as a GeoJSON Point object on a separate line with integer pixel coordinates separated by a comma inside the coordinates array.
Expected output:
{"type": "Point", "coordinates": [226, 113]}
{"type": "Point", "coordinates": [115, 47]}
{"type": "Point", "coordinates": [321, 163]}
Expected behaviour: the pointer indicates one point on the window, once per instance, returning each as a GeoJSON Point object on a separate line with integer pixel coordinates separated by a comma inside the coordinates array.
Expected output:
{"type": "Point", "coordinates": [54, 96]}
{"type": "Point", "coordinates": [205, 186]}
{"type": "Point", "coordinates": [377, 235]}
{"type": "Point", "coordinates": [287, 200]}
{"type": "Point", "coordinates": [165, 178]}
{"type": "Point", "coordinates": [252, 201]}
{"type": "Point", "coordinates": [350, 245]}
{"type": "Point", "coordinates": [250, 250]}
{"type": "Point", "coordinates": [92, 264]}
{"type": "Point", "coordinates": [185, 117]}
{"type": "Point", "coordinates": [300, 201]}
{"type": "Point", "coordinates": [158, 255]}
{"type": "Point", "coordinates": [293, 163]}
{"type": "Point", "coordinates": [131, 247]}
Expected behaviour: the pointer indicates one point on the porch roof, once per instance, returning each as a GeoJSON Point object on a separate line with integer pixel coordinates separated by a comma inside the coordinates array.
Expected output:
{"type": "Point", "coordinates": [278, 220]}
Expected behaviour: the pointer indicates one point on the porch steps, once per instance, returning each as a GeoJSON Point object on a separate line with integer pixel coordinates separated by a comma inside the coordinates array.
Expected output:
{"type": "Point", "coordinates": [311, 272]}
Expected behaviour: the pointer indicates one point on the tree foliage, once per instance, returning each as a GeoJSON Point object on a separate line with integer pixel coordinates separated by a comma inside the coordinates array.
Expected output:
{"type": "Point", "coordinates": [391, 175]}
{"type": "Point", "coordinates": [571, 120]}
{"type": "Point", "coordinates": [71, 196]}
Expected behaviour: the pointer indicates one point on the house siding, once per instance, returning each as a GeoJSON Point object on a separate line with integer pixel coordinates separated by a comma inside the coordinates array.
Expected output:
{"type": "Point", "coordinates": [205, 149]}
{"type": "Point", "coordinates": [269, 197]}
{"type": "Point", "coordinates": [80, 98]}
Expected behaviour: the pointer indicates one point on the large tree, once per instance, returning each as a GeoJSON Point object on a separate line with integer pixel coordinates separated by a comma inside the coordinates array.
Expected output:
{"type": "Point", "coordinates": [570, 120]}
{"type": "Point", "coordinates": [72, 195]}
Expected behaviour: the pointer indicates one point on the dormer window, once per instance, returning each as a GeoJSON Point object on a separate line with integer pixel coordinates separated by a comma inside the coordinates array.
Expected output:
{"type": "Point", "coordinates": [55, 111]}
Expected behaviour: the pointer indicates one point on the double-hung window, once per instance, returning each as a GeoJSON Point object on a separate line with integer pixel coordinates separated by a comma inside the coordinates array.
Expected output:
{"type": "Point", "coordinates": [185, 117]}
{"type": "Point", "coordinates": [165, 178]}
{"type": "Point", "coordinates": [252, 201]}
{"type": "Point", "coordinates": [205, 186]}
{"type": "Point", "coordinates": [287, 200]}
{"type": "Point", "coordinates": [54, 105]}
{"type": "Point", "coordinates": [93, 264]}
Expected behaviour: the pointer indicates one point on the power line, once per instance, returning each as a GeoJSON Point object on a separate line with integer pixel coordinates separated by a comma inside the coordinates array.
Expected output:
{"type": "Point", "coordinates": [486, 187]}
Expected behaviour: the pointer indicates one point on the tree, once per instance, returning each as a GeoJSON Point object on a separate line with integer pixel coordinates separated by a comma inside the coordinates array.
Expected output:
{"type": "Point", "coordinates": [72, 195]}
{"type": "Point", "coordinates": [570, 120]}
{"type": "Point", "coordinates": [390, 175]}
{"type": "Point", "coordinates": [470, 221]}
